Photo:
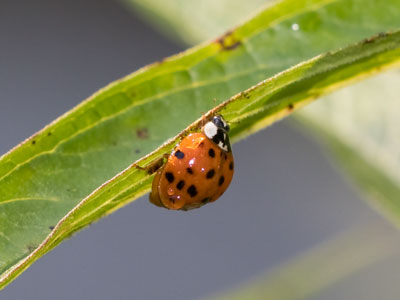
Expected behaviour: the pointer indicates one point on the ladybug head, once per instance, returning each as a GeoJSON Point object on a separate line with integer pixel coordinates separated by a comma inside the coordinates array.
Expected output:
{"type": "Point", "coordinates": [220, 123]}
{"type": "Point", "coordinates": [217, 131]}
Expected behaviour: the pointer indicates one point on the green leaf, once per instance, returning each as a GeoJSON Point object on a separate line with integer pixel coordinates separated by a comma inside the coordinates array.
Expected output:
{"type": "Point", "coordinates": [309, 273]}
{"type": "Point", "coordinates": [203, 19]}
{"type": "Point", "coordinates": [43, 180]}
{"type": "Point", "coordinates": [248, 111]}
{"type": "Point", "coordinates": [359, 124]}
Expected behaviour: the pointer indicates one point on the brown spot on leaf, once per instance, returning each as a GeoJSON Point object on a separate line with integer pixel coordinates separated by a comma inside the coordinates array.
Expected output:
{"type": "Point", "coordinates": [33, 142]}
{"type": "Point", "coordinates": [142, 133]}
{"type": "Point", "coordinates": [228, 41]}
{"type": "Point", "coordinates": [290, 107]}
{"type": "Point", "coordinates": [31, 247]}
{"type": "Point", "coordinates": [153, 167]}
{"type": "Point", "coordinates": [372, 39]}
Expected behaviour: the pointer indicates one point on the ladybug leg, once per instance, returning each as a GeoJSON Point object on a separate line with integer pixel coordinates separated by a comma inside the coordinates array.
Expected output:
{"type": "Point", "coordinates": [153, 166]}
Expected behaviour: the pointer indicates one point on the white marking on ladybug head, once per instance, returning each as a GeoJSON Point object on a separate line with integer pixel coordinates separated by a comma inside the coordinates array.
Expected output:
{"type": "Point", "coordinates": [210, 130]}
{"type": "Point", "coordinates": [223, 146]}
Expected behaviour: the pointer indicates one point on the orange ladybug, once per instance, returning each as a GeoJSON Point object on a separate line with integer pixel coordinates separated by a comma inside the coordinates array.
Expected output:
{"type": "Point", "coordinates": [198, 171]}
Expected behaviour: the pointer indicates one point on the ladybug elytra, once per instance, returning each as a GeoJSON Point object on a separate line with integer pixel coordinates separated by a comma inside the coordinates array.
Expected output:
{"type": "Point", "coordinates": [198, 171]}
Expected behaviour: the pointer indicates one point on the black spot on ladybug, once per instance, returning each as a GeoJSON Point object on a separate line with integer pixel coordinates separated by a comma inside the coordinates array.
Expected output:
{"type": "Point", "coordinates": [225, 156]}
{"type": "Point", "coordinates": [170, 177]}
{"type": "Point", "coordinates": [142, 133]}
{"type": "Point", "coordinates": [192, 191]}
{"type": "Point", "coordinates": [180, 185]}
{"type": "Point", "coordinates": [189, 170]}
{"type": "Point", "coordinates": [210, 174]}
{"type": "Point", "coordinates": [206, 200]}
{"type": "Point", "coordinates": [179, 154]}
{"type": "Point", "coordinates": [51, 227]}
{"type": "Point", "coordinates": [221, 180]}
{"type": "Point", "coordinates": [211, 152]}
{"type": "Point", "coordinates": [172, 199]}
{"type": "Point", "coordinates": [33, 142]}
{"type": "Point", "coordinates": [231, 165]}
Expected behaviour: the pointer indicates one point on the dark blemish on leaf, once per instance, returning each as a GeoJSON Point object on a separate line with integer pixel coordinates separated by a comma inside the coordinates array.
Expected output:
{"type": "Point", "coordinates": [132, 93]}
{"type": "Point", "coordinates": [179, 154]}
{"type": "Point", "coordinates": [290, 106]}
{"type": "Point", "coordinates": [142, 133]}
{"type": "Point", "coordinates": [369, 40]}
{"type": "Point", "coordinates": [49, 133]}
{"type": "Point", "coordinates": [228, 41]}
{"type": "Point", "coordinates": [153, 167]}
{"type": "Point", "coordinates": [192, 191]}
{"type": "Point", "coordinates": [31, 247]}
{"type": "Point", "coordinates": [189, 170]}
{"type": "Point", "coordinates": [137, 151]}
{"type": "Point", "coordinates": [33, 142]}
{"type": "Point", "coordinates": [51, 227]}
{"type": "Point", "coordinates": [372, 39]}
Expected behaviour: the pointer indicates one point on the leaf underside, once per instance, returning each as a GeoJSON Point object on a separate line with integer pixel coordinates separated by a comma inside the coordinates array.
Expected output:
{"type": "Point", "coordinates": [43, 180]}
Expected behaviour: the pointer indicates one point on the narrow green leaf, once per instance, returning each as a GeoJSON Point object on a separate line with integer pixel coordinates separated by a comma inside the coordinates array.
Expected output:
{"type": "Point", "coordinates": [359, 124]}
{"type": "Point", "coordinates": [203, 19]}
{"type": "Point", "coordinates": [248, 111]}
{"type": "Point", "coordinates": [43, 180]}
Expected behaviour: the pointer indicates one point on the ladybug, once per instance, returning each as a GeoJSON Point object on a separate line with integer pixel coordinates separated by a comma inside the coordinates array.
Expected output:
{"type": "Point", "coordinates": [198, 171]}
